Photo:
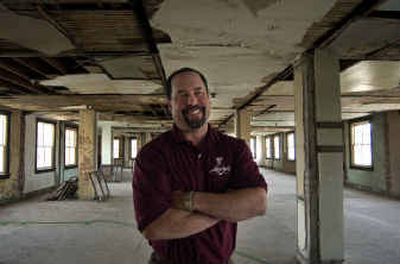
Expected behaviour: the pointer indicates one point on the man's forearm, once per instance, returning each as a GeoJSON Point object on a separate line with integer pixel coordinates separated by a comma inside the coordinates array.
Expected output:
{"type": "Point", "coordinates": [175, 223]}
{"type": "Point", "coordinates": [232, 206]}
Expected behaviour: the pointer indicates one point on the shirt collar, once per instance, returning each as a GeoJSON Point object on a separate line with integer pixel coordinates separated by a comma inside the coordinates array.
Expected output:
{"type": "Point", "coordinates": [179, 138]}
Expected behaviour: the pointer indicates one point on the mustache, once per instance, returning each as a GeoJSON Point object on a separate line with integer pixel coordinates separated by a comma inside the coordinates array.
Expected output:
{"type": "Point", "coordinates": [193, 108]}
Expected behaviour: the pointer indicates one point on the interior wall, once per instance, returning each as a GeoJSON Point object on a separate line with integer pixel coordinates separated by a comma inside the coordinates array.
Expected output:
{"type": "Point", "coordinates": [282, 164]}
{"type": "Point", "coordinates": [393, 126]}
{"type": "Point", "coordinates": [374, 179]}
{"type": "Point", "coordinates": [42, 180]}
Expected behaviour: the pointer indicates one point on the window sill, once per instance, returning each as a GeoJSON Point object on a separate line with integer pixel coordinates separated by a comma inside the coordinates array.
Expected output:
{"type": "Point", "coordinates": [67, 167]}
{"type": "Point", "coordinates": [358, 167]}
{"type": "Point", "coordinates": [4, 176]}
{"type": "Point", "coordinates": [39, 171]}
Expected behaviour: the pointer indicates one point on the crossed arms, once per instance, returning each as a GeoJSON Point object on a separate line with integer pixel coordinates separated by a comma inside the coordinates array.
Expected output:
{"type": "Point", "coordinates": [208, 209]}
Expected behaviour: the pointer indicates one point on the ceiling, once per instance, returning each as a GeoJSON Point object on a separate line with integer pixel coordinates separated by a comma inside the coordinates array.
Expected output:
{"type": "Point", "coordinates": [60, 56]}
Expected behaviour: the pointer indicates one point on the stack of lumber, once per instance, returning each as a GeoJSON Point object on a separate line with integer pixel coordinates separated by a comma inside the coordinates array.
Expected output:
{"type": "Point", "coordinates": [66, 190]}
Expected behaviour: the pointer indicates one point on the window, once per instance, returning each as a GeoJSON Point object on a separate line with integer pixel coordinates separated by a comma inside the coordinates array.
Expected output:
{"type": "Point", "coordinates": [133, 148]}
{"type": "Point", "coordinates": [361, 147]}
{"type": "Point", "coordinates": [268, 148]}
{"type": "Point", "coordinates": [116, 149]}
{"type": "Point", "coordinates": [253, 147]}
{"type": "Point", "coordinates": [291, 150]}
{"type": "Point", "coordinates": [4, 144]}
{"type": "Point", "coordinates": [70, 152]}
{"type": "Point", "coordinates": [277, 147]}
{"type": "Point", "coordinates": [45, 145]}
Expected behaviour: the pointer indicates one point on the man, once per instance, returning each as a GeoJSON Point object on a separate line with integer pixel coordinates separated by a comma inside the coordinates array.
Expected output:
{"type": "Point", "coordinates": [192, 184]}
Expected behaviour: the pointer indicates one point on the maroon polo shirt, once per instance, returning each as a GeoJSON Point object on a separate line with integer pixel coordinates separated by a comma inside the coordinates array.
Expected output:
{"type": "Point", "coordinates": [170, 163]}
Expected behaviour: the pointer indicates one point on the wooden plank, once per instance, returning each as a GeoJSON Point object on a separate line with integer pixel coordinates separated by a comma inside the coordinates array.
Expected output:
{"type": "Point", "coordinates": [28, 65]}
{"type": "Point", "coordinates": [17, 81]}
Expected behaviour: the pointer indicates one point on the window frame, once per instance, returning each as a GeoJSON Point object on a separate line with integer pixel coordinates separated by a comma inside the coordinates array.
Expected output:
{"type": "Point", "coordinates": [53, 154]}
{"type": "Point", "coordinates": [351, 154]}
{"type": "Point", "coordinates": [287, 145]}
{"type": "Point", "coordinates": [130, 147]}
{"type": "Point", "coordinates": [120, 148]}
{"type": "Point", "coordinates": [76, 128]}
{"type": "Point", "coordinates": [6, 174]}
{"type": "Point", "coordinates": [280, 146]}
{"type": "Point", "coordinates": [269, 148]}
{"type": "Point", "coordinates": [253, 146]}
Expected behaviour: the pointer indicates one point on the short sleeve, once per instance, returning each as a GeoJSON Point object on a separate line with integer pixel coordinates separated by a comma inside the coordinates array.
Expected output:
{"type": "Point", "coordinates": [151, 187]}
{"type": "Point", "coordinates": [245, 170]}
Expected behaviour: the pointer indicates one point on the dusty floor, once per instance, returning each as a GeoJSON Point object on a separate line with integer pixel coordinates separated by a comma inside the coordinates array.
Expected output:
{"type": "Point", "coordinates": [80, 232]}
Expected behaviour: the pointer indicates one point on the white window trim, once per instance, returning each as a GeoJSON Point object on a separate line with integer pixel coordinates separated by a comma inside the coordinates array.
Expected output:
{"type": "Point", "coordinates": [53, 147]}
{"type": "Point", "coordinates": [6, 146]}
{"type": "Point", "coordinates": [288, 148]}
{"type": "Point", "coordinates": [279, 148]}
{"type": "Point", "coordinates": [75, 147]}
{"type": "Point", "coordinates": [352, 144]}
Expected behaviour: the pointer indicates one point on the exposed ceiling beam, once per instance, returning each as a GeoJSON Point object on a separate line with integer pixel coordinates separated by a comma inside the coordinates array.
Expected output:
{"type": "Point", "coordinates": [280, 76]}
{"type": "Point", "coordinates": [12, 89]}
{"type": "Point", "coordinates": [267, 109]}
{"type": "Point", "coordinates": [13, 70]}
{"type": "Point", "coordinates": [53, 22]}
{"type": "Point", "coordinates": [99, 102]}
{"type": "Point", "coordinates": [73, 53]}
{"type": "Point", "coordinates": [16, 80]}
{"type": "Point", "coordinates": [148, 36]}
{"type": "Point", "coordinates": [362, 9]}
{"type": "Point", "coordinates": [55, 64]}
{"type": "Point", "coordinates": [30, 66]}
{"type": "Point", "coordinates": [225, 121]}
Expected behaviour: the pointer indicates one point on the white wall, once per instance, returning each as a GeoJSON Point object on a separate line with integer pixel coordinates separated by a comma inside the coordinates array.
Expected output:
{"type": "Point", "coordinates": [35, 181]}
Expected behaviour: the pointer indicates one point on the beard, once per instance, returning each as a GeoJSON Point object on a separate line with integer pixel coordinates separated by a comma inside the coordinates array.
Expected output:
{"type": "Point", "coordinates": [196, 122]}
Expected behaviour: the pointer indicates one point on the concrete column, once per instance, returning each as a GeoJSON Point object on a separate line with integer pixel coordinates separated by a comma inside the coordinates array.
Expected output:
{"type": "Point", "coordinates": [127, 150]}
{"type": "Point", "coordinates": [260, 150]}
{"type": "Point", "coordinates": [242, 125]}
{"type": "Point", "coordinates": [87, 152]}
{"type": "Point", "coordinates": [12, 188]}
{"type": "Point", "coordinates": [319, 153]}
{"type": "Point", "coordinates": [106, 144]}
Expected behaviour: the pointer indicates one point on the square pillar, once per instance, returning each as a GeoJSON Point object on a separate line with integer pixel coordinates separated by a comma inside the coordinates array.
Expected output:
{"type": "Point", "coordinates": [242, 125]}
{"type": "Point", "coordinates": [87, 152]}
{"type": "Point", "coordinates": [106, 144]}
{"type": "Point", "coordinates": [12, 187]}
{"type": "Point", "coordinates": [319, 153]}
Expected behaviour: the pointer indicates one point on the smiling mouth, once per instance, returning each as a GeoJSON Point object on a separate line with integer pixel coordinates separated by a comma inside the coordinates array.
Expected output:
{"type": "Point", "coordinates": [193, 111]}
{"type": "Point", "coordinates": [195, 116]}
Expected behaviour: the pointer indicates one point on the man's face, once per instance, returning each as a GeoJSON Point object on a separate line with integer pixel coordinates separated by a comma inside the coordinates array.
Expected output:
{"type": "Point", "coordinates": [190, 103]}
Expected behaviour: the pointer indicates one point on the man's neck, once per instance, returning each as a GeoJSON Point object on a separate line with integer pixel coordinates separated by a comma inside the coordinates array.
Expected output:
{"type": "Point", "coordinates": [195, 136]}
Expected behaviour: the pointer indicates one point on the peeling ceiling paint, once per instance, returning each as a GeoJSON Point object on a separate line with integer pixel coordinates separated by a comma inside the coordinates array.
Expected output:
{"type": "Point", "coordinates": [366, 36]}
{"type": "Point", "coordinates": [370, 76]}
{"type": "Point", "coordinates": [235, 43]}
{"type": "Point", "coordinates": [101, 84]}
{"type": "Point", "coordinates": [390, 5]}
{"type": "Point", "coordinates": [32, 33]}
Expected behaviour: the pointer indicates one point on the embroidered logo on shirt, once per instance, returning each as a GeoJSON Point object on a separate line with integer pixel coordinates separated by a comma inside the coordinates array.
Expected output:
{"type": "Point", "coordinates": [219, 169]}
